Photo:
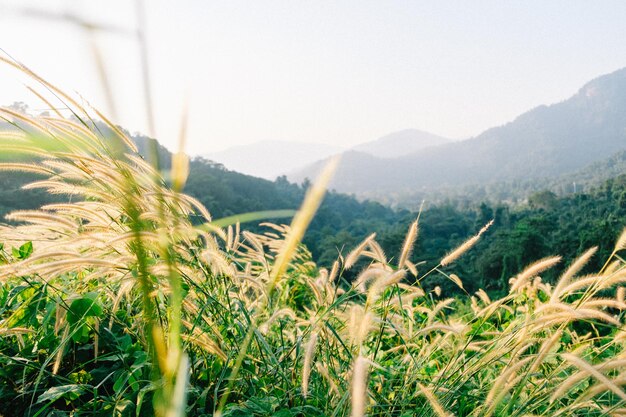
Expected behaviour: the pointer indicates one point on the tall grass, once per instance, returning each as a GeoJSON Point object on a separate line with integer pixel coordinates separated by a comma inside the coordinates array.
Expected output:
{"type": "Point", "coordinates": [116, 303]}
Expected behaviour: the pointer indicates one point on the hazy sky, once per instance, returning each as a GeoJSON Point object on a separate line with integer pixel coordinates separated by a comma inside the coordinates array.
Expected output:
{"type": "Point", "coordinates": [341, 71]}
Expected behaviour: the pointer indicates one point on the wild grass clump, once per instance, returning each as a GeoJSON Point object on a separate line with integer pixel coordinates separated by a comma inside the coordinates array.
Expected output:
{"type": "Point", "coordinates": [116, 303]}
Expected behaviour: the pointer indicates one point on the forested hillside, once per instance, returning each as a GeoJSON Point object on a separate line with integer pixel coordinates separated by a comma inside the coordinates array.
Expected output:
{"type": "Point", "coordinates": [521, 233]}
{"type": "Point", "coordinates": [544, 226]}
{"type": "Point", "coordinates": [514, 192]}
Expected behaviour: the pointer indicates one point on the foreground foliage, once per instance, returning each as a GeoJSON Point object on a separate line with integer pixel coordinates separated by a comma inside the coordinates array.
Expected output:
{"type": "Point", "coordinates": [116, 303]}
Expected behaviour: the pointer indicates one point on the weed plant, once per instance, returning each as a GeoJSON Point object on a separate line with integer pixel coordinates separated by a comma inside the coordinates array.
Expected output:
{"type": "Point", "coordinates": [115, 303]}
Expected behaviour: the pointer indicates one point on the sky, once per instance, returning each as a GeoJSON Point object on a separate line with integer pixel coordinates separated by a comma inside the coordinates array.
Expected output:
{"type": "Point", "coordinates": [341, 72]}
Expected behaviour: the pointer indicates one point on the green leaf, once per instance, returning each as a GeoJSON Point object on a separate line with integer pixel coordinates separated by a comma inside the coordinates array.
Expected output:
{"type": "Point", "coordinates": [140, 397]}
{"type": "Point", "coordinates": [57, 413]}
{"type": "Point", "coordinates": [120, 382]}
{"type": "Point", "coordinates": [24, 251]}
{"type": "Point", "coordinates": [71, 392]}
{"type": "Point", "coordinates": [123, 408]}
{"type": "Point", "coordinates": [81, 309]}
{"type": "Point", "coordinates": [86, 306]}
{"type": "Point", "coordinates": [262, 405]}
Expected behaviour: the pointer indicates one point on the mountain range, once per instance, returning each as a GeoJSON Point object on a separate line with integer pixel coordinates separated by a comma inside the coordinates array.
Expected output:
{"type": "Point", "coordinates": [400, 143]}
{"type": "Point", "coordinates": [271, 158]}
{"type": "Point", "coordinates": [545, 142]}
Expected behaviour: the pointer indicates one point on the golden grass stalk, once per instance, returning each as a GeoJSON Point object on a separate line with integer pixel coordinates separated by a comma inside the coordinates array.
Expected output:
{"type": "Point", "coordinates": [533, 270]}
{"type": "Point", "coordinates": [464, 247]}
{"type": "Point", "coordinates": [438, 308]}
{"type": "Point", "coordinates": [592, 371]}
{"type": "Point", "coordinates": [503, 383]}
{"type": "Point", "coordinates": [546, 347]}
{"type": "Point", "coordinates": [180, 161]}
{"type": "Point", "coordinates": [572, 271]}
{"type": "Point", "coordinates": [34, 169]}
{"type": "Point", "coordinates": [621, 242]}
{"type": "Point", "coordinates": [288, 249]}
{"type": "Point", "coordinates": [359, 324]}
{"type": "Point", "coordinates": [455, 278]}
{"type": "Point", "coordinates": [61, 350]}
{"type": "Point", "coordinates": [301, 221]}
{"type": "Point", "coordinates": [434, 403]}
{"type": "Point", "coordinates": [12, 331]}
{"type": "Point", "coordinates": [409, 241]}
{"type": "Point", "coordinates": [308, 360]}
{"type": "Point", "coordinates": [354, 255]}
{"type": "Point", "coordinates": [333, 272]}
{"type": "Point", "coordinates": [326, 375]}
{"type": "Point", "coordinates": [359, 386]}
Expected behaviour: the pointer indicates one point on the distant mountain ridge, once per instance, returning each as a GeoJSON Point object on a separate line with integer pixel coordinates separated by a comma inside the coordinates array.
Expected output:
{"type": "Point", "coordinates": [270, 158]}
{"type": "Point", "coordinates": [401, 143]}
{"type": "Point", "coordinates": [547, 141]}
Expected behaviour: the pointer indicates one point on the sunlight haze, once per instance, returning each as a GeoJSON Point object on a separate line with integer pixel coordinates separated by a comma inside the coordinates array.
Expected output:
{"type": "Point", "coordinates": [339, 73]}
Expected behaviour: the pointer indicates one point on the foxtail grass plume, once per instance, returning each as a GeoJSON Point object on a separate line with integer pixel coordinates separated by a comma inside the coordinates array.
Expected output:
{"type": "Point", "coordinates": [574, 268]}
{"type": "Point", "coordinates": [409, 241]}
{"type": "Point", "coordinates": [467, 245]}
{"type": "Point", "coordinates": [308, 361]}
{"type": "Point", "coordinates": [300, 222]}
{"type": "Point", "coordinates": [354, 255]}
{"type": "Point", "coordinates": [358, 389]}
{"type": "Point", "coordinates": [532, 270]}
{"type": "Point", "coordinates": [434, 403]}
{"type": "Point", "coordinates": [621, 242]}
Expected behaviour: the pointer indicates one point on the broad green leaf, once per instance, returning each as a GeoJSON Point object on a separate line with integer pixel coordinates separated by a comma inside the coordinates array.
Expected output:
{"type": "Point", "coordinates": [23, 251]}
{"type": "Point", "coordinates": [80, 310]}
{"type": "Point", "coordinates": [71, 392]}
{"type": "Point", "coordinates": [85, 306]}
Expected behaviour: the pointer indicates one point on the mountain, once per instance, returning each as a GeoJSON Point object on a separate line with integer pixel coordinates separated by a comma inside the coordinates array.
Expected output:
{"type": "Point", "coordinates": [269, 159]}
{"type": "Point", "coordinates": [545, 142]}
{"type": "Point", "coordinates": [518, 191]}
{"type": "Point", "coordinates": [401, 143]}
